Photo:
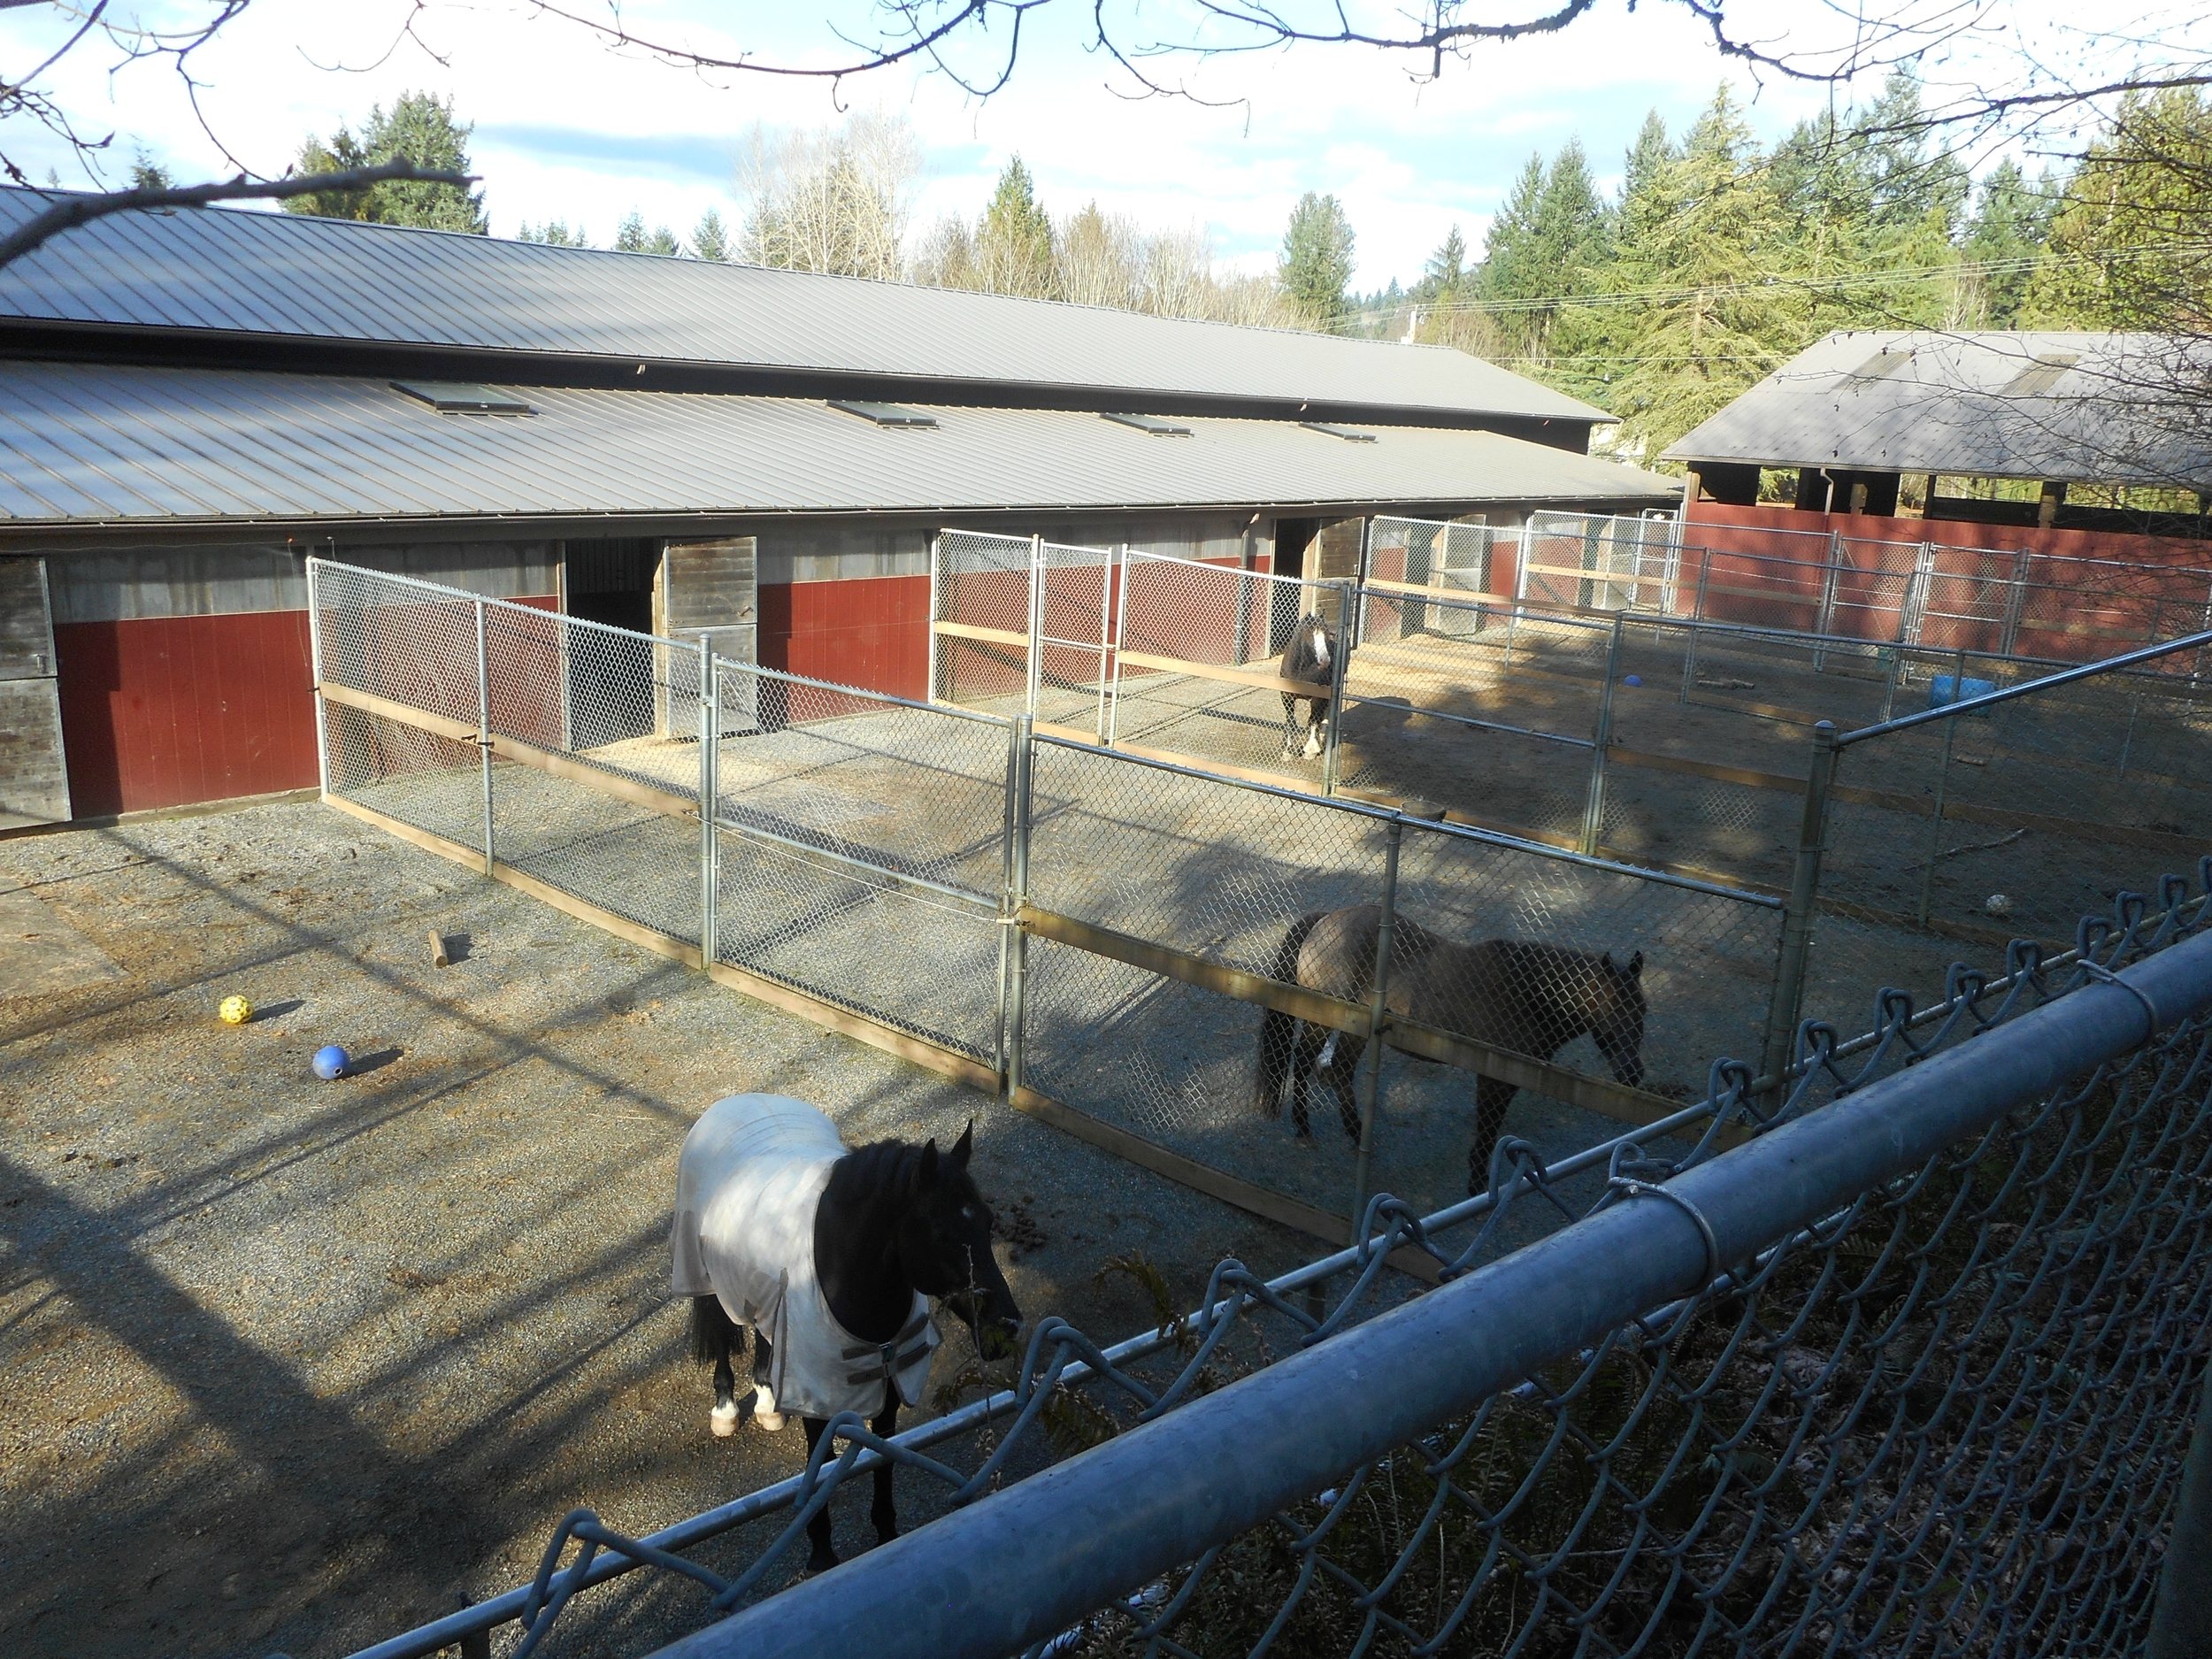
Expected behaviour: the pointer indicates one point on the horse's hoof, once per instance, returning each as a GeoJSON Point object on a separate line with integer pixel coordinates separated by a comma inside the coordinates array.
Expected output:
{"type": "Point", "coordinates": [1304, 1140]}
{"type": "Point", "coordinates": [821, 1560]}
{"type": "Point", "coordinates": [772, 1421]}
{"type": "Point", "coordinates": [722, 1419]}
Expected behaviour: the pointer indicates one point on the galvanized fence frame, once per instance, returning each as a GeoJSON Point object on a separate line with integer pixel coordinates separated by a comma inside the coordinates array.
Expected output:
{"type": "Point", "coordinates": [764, 891]}
{"type": "Point", "coordinates": [1154, 1499]}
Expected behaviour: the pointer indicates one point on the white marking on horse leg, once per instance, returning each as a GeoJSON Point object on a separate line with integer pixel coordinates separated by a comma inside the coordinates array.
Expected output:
{"type": "Point", "coordinates": [1313, 740]}
{"type": "Point", "coordinates": [722, 1419]}
{"type": "Point", "coordinates": [1328, 1052]}
{"type": "Point", "coordinates": [765, 1412]}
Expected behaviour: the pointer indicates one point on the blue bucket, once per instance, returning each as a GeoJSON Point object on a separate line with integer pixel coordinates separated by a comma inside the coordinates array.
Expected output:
{"type": "Point", "coordinates": [1946, 689]}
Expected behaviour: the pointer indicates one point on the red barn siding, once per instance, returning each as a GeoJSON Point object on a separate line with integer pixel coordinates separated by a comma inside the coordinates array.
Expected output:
{"type": "Point", "coordinates": [872, 632]}
{"type": "Point", "coordinates": [170, 710]}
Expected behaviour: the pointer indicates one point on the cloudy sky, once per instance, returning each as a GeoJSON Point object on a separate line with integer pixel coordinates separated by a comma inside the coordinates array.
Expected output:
{"type": "Point", "coordinates": [567, 129]}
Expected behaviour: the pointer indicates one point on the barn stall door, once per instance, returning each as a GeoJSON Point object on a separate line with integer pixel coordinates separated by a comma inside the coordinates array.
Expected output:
{"type": "Point", "coordinates": [710, 591]}
{"type": "Point", "coordinates": [33, 780]}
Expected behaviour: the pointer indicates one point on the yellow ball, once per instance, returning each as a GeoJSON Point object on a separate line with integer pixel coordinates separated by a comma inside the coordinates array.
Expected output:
{"type": "Point", "coordinates": [235, 1010]}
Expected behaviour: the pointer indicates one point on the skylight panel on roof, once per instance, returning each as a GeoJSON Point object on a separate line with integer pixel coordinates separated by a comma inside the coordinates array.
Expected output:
{"type": "Point", "coordinates": [886, 414]}
{"type": "Point", "coordinates": [1881, 365]}
{"type": "Point", "coordinates": [1348, 434]}
{"type": "Point", "coordinates": [458, 397]}
{"type": "Point", "coordinates": [1153, 424]}
{"type": "Point", "coordinates": [2041, 375]}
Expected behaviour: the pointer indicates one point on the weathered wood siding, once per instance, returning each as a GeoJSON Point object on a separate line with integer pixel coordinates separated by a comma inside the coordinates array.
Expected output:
{"type": "Point", "coordinates": [34, 772]}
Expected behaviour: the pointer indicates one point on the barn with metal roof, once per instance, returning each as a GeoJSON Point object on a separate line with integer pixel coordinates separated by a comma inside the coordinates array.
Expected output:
{"type": "Point", "coordinates": [192, 402]}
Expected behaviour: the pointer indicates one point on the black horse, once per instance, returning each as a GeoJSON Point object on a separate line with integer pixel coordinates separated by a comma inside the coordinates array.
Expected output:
{"type": "Point", "coordinates": [836, 1253]}
{"type": "Point", "coordinates": [1310, 659]}
{"type": "Point", "coordinates": [1532, 998]}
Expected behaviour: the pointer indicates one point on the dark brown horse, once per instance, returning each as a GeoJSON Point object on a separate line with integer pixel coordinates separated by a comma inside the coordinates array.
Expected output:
{"type": "Point", "coordinates": [1534, 999]}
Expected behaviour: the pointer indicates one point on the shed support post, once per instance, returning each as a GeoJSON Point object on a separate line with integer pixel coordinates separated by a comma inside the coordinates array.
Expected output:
{"type": "Point", "coordinates": [1106, 632]}
{"type": "Point", "coordinates": [484, 730]}
{"type": "Point", "coordinates": [1798, 912]}
{"type": "Point", "coordinates": [1370, 1092]}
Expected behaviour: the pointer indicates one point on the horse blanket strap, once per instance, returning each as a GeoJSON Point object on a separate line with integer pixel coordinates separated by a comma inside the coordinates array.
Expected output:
{"type": "Point", "coordinates": [889, 1360]}
{"type": "Point", "coordinates": [748, 1185]}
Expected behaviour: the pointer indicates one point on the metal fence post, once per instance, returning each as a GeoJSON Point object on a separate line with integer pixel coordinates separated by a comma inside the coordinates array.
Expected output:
{"type": "Point", "coordinates": [1121, 639]}
{"type": "Point", "coordinates": [1943, 786]}
{"type": "Point", "coordinates": [936, 553]}
{"type": "Point", "coordinates": [315, 671]}
{"type": "Point", "coordinates": [1799, 912]}
{"type": "Point", "coordinates": [1370, 1062]}
{"type": "Point", "coordinates": [1824, 618]}
{"type": "Point", "coordinates": [1036, 620]}
{"type": "Point", "coordinates": [2181, 1617]}
{"type": "Point", "coordinates": [710, 802]}
{"type": "Point", "coordinates": [1106, 633]}
{"type": "Point", "coordinates": [1593, 807]}
{"type": "Point", "coordinates": [1014, 949]}
{"type": "Point", "coordinates": [484, 728]}
{"type": "Point", "coordinates": [1344, 600]}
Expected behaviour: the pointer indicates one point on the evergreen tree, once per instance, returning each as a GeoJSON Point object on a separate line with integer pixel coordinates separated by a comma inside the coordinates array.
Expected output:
{"type": "Point", "coordinates": [418, 127]}
{"type": "Point", "coordinates": [554, 233]}
{"type": "Point", "coordinates": [1712, 227]}
{"type": "Point", "coordinates": [1446, 272]}
{"type": "Point", "coordinates": [1316, 261]}
{"type": "Point", "coordinates": [1013, 242]}
{"type": "Point", "coordinates": [2011, 222]}
{"type": "Point", "coordinates": [711, 238]}
{"type": "Point", "coordinates": [2127, 247]}
{"type": "Point", "coordinates": [149, 174]}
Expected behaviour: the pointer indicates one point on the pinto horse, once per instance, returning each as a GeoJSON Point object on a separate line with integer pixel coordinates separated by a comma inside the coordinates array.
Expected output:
{"type": "Point", "coordinates": [830, 1256]}
{"type": "Point", "coordinates": [1532, 998]}
{"type": "Point", "coordinates": [1309, 658]}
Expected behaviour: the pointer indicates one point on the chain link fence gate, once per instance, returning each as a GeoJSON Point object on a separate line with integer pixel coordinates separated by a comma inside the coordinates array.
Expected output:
{"type": "Point", "coordinates": [1931, 1405]}
{"type": "Point", "coordinates": [1911, 1374]}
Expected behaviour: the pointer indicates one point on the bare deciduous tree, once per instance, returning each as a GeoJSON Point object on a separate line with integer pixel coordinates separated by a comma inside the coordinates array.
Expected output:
{"type": "Point", "coordinates": [835, 199]}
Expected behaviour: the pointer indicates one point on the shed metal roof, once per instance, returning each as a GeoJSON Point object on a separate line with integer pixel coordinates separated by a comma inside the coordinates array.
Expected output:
{"type": "Point", "coordinates": [2088, 408]}
{"type": "Point", "coordinates": [297, 278]}
{"type": "Point", "coordinates": [115, 444]}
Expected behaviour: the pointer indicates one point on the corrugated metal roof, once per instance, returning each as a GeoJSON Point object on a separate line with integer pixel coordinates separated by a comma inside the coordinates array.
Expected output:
{"type": "Point", "coordinates": [113, 444]}
{"type": "Point", "coordinates": [332, 280]}
{"type": "Point", "coordinates": [2088, 408]}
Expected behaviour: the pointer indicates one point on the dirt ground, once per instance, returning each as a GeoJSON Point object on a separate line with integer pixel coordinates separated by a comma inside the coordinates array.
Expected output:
{"type": "Point", "coordinates": [295, 1364]}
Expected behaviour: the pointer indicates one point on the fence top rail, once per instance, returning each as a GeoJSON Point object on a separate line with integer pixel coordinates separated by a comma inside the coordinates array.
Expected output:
{"type": "Point", "coordinates": [783, 677]}
{"type": "Point", "coordinates": [1022, 540]}
{"type": "Point", "coordinates": [1384, 815]}
{"type": "Point", "coordinates": [1971, 705]}
{"type": "Point", "coordinates": [1052, 1558]}
{"type": "Point", "coordinates": [1499, 605]}
{"type": "Point", "coordinates": [442, 591]}
{"type": "Point", "coordinates": [1137, 555]}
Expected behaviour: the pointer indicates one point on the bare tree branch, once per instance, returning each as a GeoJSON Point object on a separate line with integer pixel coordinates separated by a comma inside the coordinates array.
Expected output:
{"type": "Point", "coordinates": [74, 210]}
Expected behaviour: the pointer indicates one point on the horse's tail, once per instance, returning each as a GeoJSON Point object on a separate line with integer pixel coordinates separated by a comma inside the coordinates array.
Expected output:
{"type": "Point", "coordinates": [713, 1334]}
{"type": "Point", "coordinates": [1278, 1031]}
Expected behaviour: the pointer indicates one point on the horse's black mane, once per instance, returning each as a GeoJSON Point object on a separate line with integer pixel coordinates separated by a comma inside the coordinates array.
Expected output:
{"type": "Point", "coordinates": [881, 1169]}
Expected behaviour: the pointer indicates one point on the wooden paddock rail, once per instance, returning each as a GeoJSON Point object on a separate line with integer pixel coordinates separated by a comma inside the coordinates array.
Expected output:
{"type": "Point", "coordinates": [1616, 1100]}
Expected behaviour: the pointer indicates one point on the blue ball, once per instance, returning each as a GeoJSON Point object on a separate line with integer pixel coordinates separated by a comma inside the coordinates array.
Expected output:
{"type": "Point", "coordinates": [330, 1062]}
{"type": "Point", "coordinates": [1633, 679]}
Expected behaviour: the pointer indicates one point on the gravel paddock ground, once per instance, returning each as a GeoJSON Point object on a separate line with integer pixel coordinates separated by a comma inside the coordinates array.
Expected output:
{"type": "Point", "coordinates": [292, 1365]}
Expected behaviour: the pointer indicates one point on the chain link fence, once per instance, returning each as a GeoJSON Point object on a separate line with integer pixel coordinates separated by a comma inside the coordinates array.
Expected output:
{"type": "Point", "coordinates": [1913, 1378]}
